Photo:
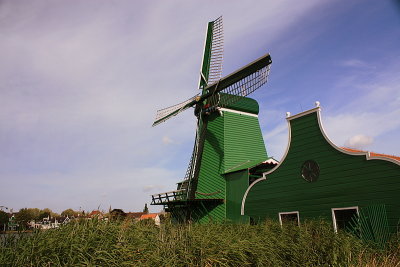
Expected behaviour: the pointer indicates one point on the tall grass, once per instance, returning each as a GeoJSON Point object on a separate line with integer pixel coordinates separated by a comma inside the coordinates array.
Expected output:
{"type": "Point", "coordinates": [116, 243]}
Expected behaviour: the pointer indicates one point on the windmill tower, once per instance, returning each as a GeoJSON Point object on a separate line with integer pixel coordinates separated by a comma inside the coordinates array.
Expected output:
{"type": "Point", "coordinates": [228, 137]}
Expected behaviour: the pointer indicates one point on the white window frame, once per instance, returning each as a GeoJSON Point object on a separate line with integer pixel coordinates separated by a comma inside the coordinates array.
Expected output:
{"type": "Point", "coordinates": [334, 217]}
{"type": "Point", "coordinates": [290, 212]}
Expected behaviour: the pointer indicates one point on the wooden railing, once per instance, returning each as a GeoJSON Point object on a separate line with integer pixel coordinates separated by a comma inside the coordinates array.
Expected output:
{"type": "Point", "coordinates": [165, 198]}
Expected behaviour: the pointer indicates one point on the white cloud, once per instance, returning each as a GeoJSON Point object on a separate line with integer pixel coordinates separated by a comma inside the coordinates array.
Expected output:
{"type": "Point", "coordinates": [166, 140]}
{"type": "Point", "coordinates": [128, 190]}
{"type": "Point", "coordinates": [373, 113]}
{"type": "Point", "coordinates": [359, 141]}
{"type": "Point", "coordinates": [356, 63]}
{"type": "Point", "coordinates": [277, 141]}
{"type": "Point", "coordinates": [153, 188]}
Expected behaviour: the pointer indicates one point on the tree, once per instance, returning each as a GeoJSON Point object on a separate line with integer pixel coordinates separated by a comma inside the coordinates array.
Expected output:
{"type": "Point", "coordinates": [44, 213]}
{"type": "Point", "coordinates": [69, 213]}
{"type": "Point", "coordinates": [25, 215]}
{"type": "Point", "coordinates": [3, 219]}
{"type": "Point", "coordinates": [146, 209]}
{"type": "Point", "coordinates": [35, 213]}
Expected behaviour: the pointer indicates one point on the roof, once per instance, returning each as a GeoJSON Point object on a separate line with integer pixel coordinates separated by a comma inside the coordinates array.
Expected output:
{"type": "Point", "coordinates": [250, 164]}
{"type": "Point", "coordinates": [95, 213]}
{"type": "Point", "coordinates": [372, 154]}
{"type": "Point", "coordinates": [135, 215]}
{"type": "Point", "coordinates": [149, 216]}
{"type": "Point", "coordinates": [244, 104]}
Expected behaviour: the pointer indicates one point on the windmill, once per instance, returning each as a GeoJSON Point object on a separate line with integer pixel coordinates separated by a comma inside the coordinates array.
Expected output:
{"type": "Point", "coordinates": [228, 137]}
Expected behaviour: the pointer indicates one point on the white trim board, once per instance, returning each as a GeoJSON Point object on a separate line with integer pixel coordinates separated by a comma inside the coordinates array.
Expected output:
{"type": "Point", "coordinates": [238, 112]}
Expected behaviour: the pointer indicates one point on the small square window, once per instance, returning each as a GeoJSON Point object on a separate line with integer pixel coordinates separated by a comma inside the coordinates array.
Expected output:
{"type": "Point", "coordinates": [344, 217]}
{"type": "Point", "coordinates": [289, 218]}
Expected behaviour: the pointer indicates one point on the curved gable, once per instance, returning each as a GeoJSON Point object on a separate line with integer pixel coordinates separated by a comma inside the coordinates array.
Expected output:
{"type": "Point", "coordinates": [346, 178]}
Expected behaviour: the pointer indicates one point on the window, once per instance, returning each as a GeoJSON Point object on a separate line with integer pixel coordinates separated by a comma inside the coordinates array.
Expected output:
{"type": "Point", "coordinates": [289, 218]}
{"type": "Point", "coordinates": [253, 221]}
{"type": "Point", "coordinates": [343, 217]}
{"type": "Point", "coordinates": [310, 171]}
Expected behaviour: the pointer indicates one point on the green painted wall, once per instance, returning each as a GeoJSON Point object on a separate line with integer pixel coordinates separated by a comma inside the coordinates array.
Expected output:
{"type": "Point", "coordinates": [236, 185]}
{"type": "Point", "coordinates": [212, 165]}
{"type": "Point", "coordinates": [344, 181]}
{"type": "Point", "coordinates": [243, 140]}
{"type": "Point", "coordinates": [231, 139]}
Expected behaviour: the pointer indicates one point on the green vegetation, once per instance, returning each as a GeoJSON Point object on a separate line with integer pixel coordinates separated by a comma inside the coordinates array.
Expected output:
{"type": "Point", "coordinates": [25, 215]}
{"type": "Point", "coordinates": [3, 218]}
{"type": "Point", "coordinates": [70, 213]}
{"type": "Point", "coordinates": [126, 243]}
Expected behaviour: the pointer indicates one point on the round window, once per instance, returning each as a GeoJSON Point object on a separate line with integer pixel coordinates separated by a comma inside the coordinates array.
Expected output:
{"type": "Point", "coordinates": [310, 171]}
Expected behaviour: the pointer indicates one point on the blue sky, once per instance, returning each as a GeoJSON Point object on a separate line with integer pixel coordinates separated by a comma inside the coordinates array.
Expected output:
{"type": "Point", "coordinates": [81, 84]}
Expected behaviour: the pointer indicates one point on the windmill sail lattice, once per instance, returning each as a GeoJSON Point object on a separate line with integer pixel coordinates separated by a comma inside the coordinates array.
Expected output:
{"type": "Point", "coordinates": [241, 88]}
{"type": "Point", "coordinates": [217, 51]}
{"type": "Point", "coordinates": [166, 113]}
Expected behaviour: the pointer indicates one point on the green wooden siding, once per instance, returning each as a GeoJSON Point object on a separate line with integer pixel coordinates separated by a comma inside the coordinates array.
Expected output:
{"type": "Point", "coordinates": [243, 140]}
{"type": "Point", "coordinates": [231, 140]}
{"type": "Point", "coordinates": [212, 165]}
{"type": "Point", "coordinates": [236, 184]}
{"type": "Point", "coordinates": [240, 103]}
{"type": "Point", "coordinates": [344, 181]}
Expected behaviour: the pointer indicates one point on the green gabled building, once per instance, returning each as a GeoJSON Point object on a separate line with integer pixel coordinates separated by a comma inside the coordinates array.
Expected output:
{"type": "Point", "coordinates": [317, 179]}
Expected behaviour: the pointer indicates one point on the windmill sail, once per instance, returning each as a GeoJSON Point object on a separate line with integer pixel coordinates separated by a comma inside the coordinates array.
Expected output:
{"type": "Point", "coordinates": [211, 66]}
{"type": "Point", "coordinates": [238, 84]}
{"type": "Point", "coordinates": [194, 165]}
{"type": "Point", "coordinates": [166, 113]}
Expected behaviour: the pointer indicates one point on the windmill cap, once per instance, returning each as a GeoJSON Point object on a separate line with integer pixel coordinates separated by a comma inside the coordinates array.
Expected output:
{"type": "Point", "coordinates": [244, 104]}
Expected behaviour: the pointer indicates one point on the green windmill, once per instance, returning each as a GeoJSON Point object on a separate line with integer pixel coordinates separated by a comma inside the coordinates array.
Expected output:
{"type": "Point", "coordinates": [228, 148]}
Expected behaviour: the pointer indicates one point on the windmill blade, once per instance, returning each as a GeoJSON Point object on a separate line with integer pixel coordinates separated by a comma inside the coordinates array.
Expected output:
{"type": "Point", "coordinates": [193, 171]}
{"type": "Point", "coordinates": [240, 83]}
{"type": "Point", "coordinates": [166, 113]}
{"type": "Point", "coordinates": [217, 51]}
{"type": "Point", "coordinates": [211, 65]}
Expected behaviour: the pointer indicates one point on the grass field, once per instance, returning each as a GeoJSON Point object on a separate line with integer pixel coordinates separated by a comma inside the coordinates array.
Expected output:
{"type": "Point", "coordinates": [124, 243]}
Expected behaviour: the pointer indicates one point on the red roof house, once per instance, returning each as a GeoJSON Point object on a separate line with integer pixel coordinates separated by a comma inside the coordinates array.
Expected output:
{"type": "Point", "coordinates": [372, 154]}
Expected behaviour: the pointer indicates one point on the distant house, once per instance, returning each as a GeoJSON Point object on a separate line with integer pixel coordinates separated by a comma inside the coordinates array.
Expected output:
{"type": "Point", "coordinates": [49, 223]}
{"type": "Point", "coordinates": [64, 220]}
{"type": "Point", "coordinates": [12, 223]}
{"type": "Point", "coordinates": [153, 216]}
{"type": "Point", "coordinates": [96, 214]}
{"type": "Point", "coordinates": [135, 215]}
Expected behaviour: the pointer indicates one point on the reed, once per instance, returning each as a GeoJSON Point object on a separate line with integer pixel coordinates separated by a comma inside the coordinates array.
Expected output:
{"type": "Point", "coordinates": [126, 243]}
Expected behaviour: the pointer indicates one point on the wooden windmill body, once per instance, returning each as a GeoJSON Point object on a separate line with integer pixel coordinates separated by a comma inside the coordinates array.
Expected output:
{"type": "Point", "coordinates": [228, 138]}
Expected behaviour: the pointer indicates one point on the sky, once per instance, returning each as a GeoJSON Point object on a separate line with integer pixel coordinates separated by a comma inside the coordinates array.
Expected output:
{"type": "Point", "coordinates": [81, 83]}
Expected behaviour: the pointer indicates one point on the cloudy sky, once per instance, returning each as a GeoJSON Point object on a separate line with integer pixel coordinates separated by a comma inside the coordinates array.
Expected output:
{"type": "Point", "coordinates": [81, 82]}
